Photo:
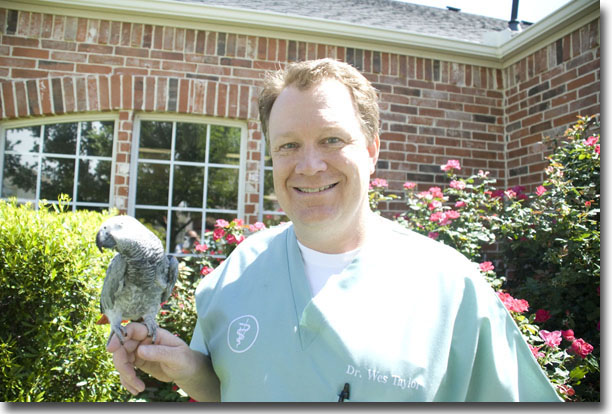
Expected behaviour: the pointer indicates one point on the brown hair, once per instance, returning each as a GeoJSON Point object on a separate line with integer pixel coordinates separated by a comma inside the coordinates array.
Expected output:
{"type": "Point", "coordinates": [304, 75]}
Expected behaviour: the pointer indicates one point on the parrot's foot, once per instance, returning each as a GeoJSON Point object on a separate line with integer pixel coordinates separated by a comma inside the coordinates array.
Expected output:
{"type": "Point", "coordinates": [151, 325]}
{"type": "Point", "coordinates": [120, 331]}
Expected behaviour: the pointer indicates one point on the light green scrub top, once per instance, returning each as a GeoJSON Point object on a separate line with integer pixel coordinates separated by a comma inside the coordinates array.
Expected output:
{"type": "Point", "coordinates": [410, 319]}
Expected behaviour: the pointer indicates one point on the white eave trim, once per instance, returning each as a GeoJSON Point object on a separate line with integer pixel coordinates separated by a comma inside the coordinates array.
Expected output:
{"type": "Point", "coordinates": [270, 24]}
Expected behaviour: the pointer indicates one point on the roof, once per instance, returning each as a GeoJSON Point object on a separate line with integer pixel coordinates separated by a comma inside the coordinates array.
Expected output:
{"type": "Point", "coordinates": [384, 14]}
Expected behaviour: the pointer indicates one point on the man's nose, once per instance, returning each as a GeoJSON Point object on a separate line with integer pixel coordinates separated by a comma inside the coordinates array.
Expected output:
{"type": "Point", "coordinates": [310, 161]}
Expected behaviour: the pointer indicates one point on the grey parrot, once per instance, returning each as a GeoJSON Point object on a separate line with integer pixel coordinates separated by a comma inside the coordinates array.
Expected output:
{"type": "Point", "coordinates": [139, 278]}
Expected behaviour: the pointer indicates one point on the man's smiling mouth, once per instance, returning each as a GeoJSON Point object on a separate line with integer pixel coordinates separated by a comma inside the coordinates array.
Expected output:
{"type": "Point", "coordinates": [314, 190]}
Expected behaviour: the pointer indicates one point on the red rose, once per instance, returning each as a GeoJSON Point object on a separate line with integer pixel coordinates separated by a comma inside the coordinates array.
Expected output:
{"type": "Point", "coordinates": [582, 348]}
{"type": "Point", "coordinates": [542, 315]}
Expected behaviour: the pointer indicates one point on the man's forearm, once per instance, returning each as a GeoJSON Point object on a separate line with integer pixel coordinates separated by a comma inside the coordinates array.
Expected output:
{"type": "Point", "coordinates": [204, 384]}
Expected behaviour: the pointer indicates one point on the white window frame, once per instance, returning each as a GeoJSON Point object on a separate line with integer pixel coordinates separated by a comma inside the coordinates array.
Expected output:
{"type": "Point", "coordinates": [174, 119]}
{"type": "Point", "coordinates": [61, 119]}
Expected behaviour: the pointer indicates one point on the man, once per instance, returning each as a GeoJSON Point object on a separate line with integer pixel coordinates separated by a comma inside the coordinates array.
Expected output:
{"type": "Point", "coordinates": [340, 304]}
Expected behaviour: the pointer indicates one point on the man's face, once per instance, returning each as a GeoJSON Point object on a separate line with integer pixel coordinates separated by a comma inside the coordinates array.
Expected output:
{"type": "Point", "coordinates": [321, 159]}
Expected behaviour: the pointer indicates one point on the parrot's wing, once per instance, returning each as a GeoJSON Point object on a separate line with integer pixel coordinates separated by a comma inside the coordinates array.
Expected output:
{"type": "Point", "coordinates": [171, 278]}
{"type": "Point", "coordinates": [115, 278]}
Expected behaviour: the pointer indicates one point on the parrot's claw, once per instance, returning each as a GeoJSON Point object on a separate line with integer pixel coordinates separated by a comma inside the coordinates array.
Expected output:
{"type": "Point", "coordinates": [120, 331]}
{"type": "Point", "coordinates": [151, 328]}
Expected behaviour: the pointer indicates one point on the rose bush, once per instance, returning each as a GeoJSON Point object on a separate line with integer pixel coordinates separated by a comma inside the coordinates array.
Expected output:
{"type": "Point", "coordinates": [549, 245]}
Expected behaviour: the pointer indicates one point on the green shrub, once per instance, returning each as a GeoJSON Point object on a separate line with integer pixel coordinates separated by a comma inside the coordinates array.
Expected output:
{"type": "Point", "coordinates": [51, 275]}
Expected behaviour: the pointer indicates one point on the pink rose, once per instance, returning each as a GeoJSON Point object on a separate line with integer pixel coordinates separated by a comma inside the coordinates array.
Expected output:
{"type": "Point", "coordinates": [451, 165]}
{"type": "Point", "coordinates": [535, 350]}
{"type": "Point", "coordinates": [220, 223]}
{"type": "Point", "coordinates": [434, 205]}
{"type": "Point", "coordinates": [568, 335]}
{"type": "Point", "coordinates": [238, 222]}
{"type": "Point", "coordinates": [552, 339]}
{"type": "Point", "coordinates": [433, 235]}
{"type": "Point", "coordinates": [512, 304]}
{"type": "Point", "coordinates": [592, 140]}
{"type": "Point", "coordinates": [460, 204]}
{"type": "Point", "coordinates": [218, 233]}
{"type": "Point", "coordinates": [231, 239]}
{"type": "Point", "coordinates": [540, 190]}
{"type": "Point", "coordinates": [206, 270]}
{"type": "Point", "coordinates": [379, 182]}
{"type": "Point", "coordinates": [542, 315]}
{"type": "Point", "coordinates": [597, 149]}
{"type": "Point", "coordinates": [582, 348]}
{"type": "Point", "coordinates": [457, 185]}
{"type": "Point", "coordinates": [409, 185]}
{"type": "Point", "coordinates": [201, 248]}
{"type": "Point", "coordinates": [436, 192]}
{"type": "Point", "coordinates": [452, 214]}
{"type": "Point", "coordinates": [486, 266]}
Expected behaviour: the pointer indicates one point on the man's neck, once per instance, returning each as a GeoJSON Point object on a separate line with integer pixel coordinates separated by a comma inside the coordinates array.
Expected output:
{"type": "Point", "coordinates": [325, 240]}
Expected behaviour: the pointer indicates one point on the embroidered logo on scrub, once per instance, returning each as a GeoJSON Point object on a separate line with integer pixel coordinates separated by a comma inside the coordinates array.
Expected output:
{"type": "Point", "coordinates": [242, 333]}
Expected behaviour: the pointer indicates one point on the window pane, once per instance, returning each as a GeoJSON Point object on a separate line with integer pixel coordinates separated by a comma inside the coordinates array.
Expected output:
{"type": "Point", "coordinates": [270, 200]}
{"type": "Point", "coordinates": [188, 190]}
{"type": "Point", "coordinates": [94, 181]}
{"type": "Point", "coordinates": [186, 230]}
{"type": "Point", "coordinates": [19, 178]}
{"type": "Point", "coordinates": [60, 138]}
{"type": "Point", "coordinates": [57, 178]}
{"type": "Point", "coordinates": [152, 185]}
{"type": "Point", "coordinates": [190, 142]}
{"type": "Point", "coordinates": [222, 188]}
{"type": "Point", "coordinates": [155, 140]}
{"type": "Point", "coordinates": [224, 145]}
{"type": "Point", "coordinates": [97, 138]}
{"type": "Point", "coordinates": [23, 139]}
{"type": "Point", "coordinates": [154, 220]}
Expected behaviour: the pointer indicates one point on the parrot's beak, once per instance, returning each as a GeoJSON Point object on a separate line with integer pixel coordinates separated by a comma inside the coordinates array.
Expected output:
{"type": "Point", "coordinates": [104, 239]}
{"type": "Point", "coordinates": [99, 240]}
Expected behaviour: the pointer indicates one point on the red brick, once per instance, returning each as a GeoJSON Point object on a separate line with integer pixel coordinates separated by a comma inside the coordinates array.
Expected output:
{"type": "Point", "coordinates": [86, 68]}
{"type": "Point", "coordinates": [27, 73]}
{"type": "Point", "coordinates": [45, 96]}
{"type": "Point", "coordinates": [8, 99]}
{"type": "Point", "coordinates": [132, 51]}
{"type": "Point", "coordinates": [103, 32]}
{"type": "Point", "coordinates": [115, 91]}
{"type": "Point", "coordinates": [114, 36]}
{"type": "Point", "coordinates": [69, 102]}
{"type": "Point", "coordinates": [127, 92]}
{"type": "Point", "coordinates": [222, 100]}
{"type": "Point", "coordinates": [21, 98]}
{"type": "Point", "coordinates": [183, 97]}
{"type": "Point", "coordinates": [130, 71]}
{"type": "Point", "coordinates": [210, 98]}
{"type": "Point", "coordinates": [92, 93]}
{"type": "Point", "coordinates": [81, 33]}
{"type": "Point", "coordinates": [149, 102]}
{"type": "Point", "coordinates": [104, 93]}
{"type": "Point", "coordinates": [199, 94]}
{"type": "Point", "coordinates": [68, 56]}
{"type": "Point", "coordinates": [581, 81]}
{"type": "Point", "coordinates": [106, 59]}
{"type": "Point", "coordinates": [31, 53]}
{"type": "Point", "coordinates": [138, 93]}
{"type": "Point", "coordinates": [162, 86]}
{"type": "Point", "coordinates": [81, 94]}
{"type": "Point", "coordinates": [17, 62]}
{"type": "Point", "coordinates": [136, 37]}
{"type": "Point", "coordinates": [47, 26]}
{"type": "Point", "coordinates": [232, 111]}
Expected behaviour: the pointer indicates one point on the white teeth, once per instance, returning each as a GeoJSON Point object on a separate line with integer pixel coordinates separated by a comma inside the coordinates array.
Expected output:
{"type": "Point", "coordinates": [315, 190]}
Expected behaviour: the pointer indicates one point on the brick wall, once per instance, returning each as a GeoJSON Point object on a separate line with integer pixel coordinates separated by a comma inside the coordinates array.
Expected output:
{"type": "Point", "coordinates": [546, 91]}
{"type": "Point", "coordinates": [431, 110]}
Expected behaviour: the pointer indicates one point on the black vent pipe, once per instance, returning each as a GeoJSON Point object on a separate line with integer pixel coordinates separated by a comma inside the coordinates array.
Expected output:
{"type": "Point", "coordinates": [513, 24]}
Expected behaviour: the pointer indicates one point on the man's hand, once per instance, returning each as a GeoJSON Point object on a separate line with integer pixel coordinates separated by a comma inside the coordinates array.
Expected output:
{"type": "Point", "coordinates": [169, 359]}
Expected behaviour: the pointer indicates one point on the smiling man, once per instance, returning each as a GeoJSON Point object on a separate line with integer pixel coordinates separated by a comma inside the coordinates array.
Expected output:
{"type": "Point", "coordinates": [339, 304]}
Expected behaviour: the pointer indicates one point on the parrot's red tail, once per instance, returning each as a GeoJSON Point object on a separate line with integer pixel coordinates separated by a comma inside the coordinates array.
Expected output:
{"type": "Point", "coordinates": [103, 320]}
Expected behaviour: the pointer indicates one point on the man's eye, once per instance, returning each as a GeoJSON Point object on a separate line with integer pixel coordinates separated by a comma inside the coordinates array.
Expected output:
{"type": "Point", "coordinates": [332, 140]}
{"type": "Point", "coordinates": [288, 146]}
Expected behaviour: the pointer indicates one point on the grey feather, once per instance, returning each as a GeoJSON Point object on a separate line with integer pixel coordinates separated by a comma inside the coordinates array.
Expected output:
{"type": "Point", "coordinates": [139, 277]}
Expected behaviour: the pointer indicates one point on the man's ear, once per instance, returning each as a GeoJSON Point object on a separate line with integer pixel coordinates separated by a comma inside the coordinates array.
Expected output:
{"type": "Point", "coordinates": [373, 150]}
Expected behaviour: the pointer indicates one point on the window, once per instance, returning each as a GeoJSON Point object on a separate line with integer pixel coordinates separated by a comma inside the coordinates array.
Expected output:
{"type": "Point", "coordinates": [188, 175]}
{"type": "Point", "coordinates": [43, 161]}
{"type": "Point", "coordinates": [270, 211]}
